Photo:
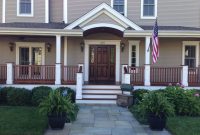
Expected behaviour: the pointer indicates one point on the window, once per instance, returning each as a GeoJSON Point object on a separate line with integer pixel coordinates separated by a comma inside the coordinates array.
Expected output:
{"type": "Point", "coordinates": [120, 6]}
{"type": "Point", "coordinates": [190, 54]}
{"type": "Point", "coordinates": [133, 53]}
{"type": "Point", "coordinates": [25, 8]}
{"type": "Point", "coordinates": [148, 9]}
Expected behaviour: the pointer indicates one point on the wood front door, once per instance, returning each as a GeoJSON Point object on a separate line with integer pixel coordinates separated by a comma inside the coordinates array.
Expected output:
{"type": "Point", "coordinates": [102, 64]}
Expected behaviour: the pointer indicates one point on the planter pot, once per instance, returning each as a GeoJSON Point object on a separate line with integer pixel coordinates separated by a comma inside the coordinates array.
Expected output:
{"type": "Point", "coordinates": [157, 123]}
{"type": "Point", "coordinates": [57, 122]}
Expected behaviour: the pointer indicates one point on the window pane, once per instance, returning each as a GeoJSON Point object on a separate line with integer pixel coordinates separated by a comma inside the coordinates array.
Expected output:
{"type": "Point", "coordinates": [119, 6]}
{"type": "Point", "coordinates": [25, 6]}
{"type": "Point", "coordinates": [148, 1]}
{"type": "Point", "coordinates": [133, 48]}
{"type": "Point", "coordinates": [148, 10]}
{"type": "Point", "coordinates": [133, 60]}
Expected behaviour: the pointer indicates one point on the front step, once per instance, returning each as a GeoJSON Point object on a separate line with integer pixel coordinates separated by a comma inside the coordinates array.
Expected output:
{"type": "Point", "coordinates": [99, 94]}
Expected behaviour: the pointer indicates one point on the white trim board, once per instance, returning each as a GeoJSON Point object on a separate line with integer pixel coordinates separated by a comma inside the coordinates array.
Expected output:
{"type": "Point", "coordinates": [65, 13]}
{"type": "Point", "coordinates": [190, 43]}
{"type": "Point", "coordinates": [102, 42]}
{"type": "Point", "coordinates": [109, 9]}
{"type": "Point", "coordinates": [25, 15]}
{"type": "Point", "coordinates": [3, 11]}
{"type": "Point", "coordinates": [46, 11]}
{"type": "Point", "coordinates": [134, 43]}
{"type": "Point", "coordinates": [155, 11]}
{"type": "Point", "coordinates": [30, 45]}
{"type": "Point", "coordinates": [103, 25]}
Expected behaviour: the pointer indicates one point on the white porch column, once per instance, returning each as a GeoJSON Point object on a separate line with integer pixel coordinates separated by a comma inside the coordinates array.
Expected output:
{"type": "Point", "coordinates": [58, 60]}
{"type": "Point", "coordinates": [65, 51]}
{"type": "Point", "coordinates": [79, 85]}
{"type": "Point", "coordinates": [184, 79]}
{"type": "Point", "coordinates": [9, 73]}
{"type": "Point", "coordinates": [123, 73]}
{"type": "Point", "coordinates": [127, 78]}
{"type": "Point", "coordinates": [147, 75]}
{"type": "Point", "coordinates": [147, 49]}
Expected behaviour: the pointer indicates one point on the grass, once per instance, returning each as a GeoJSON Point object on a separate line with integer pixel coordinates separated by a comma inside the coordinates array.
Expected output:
{"type": "Point", "coordinates": [178, 125]}
{"type": "Point", "coordinates": [182, 125]}
{"type": "Point", "coordinates": [21, 121]}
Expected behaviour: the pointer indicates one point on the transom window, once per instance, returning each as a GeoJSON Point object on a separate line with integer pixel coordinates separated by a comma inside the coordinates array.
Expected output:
{"type": "Point", "coordinates": [25, 7]}
{"type": "Point", "coordinates": [118, 5]}
{"type": "Point", "coordinates": [148, 9]}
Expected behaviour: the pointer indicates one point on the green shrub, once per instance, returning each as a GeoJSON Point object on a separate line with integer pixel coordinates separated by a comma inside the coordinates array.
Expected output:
{"type": "Point", "coordinates": [184, 101]}
{"type": "Point", "coordinates": [18, 97]}
{"type": "Point", "coordinates": [3, 95]}
{"type": "Point", "coordinates": [39, 93]}
{"type": "Point", "coordinates": [138, 95]}
{"type": "Point", "coordinates": [66, 91]}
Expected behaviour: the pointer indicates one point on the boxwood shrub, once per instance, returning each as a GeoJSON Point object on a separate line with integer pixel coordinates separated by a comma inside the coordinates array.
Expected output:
{"type": "Point", "coordinates": [138, 95]}
{"type": "Point", "coordinates": [18, 97]}
{"type": "Point", "coordinates": [39, 93]}
{"type": "Point", "coordinates": [3, 95]}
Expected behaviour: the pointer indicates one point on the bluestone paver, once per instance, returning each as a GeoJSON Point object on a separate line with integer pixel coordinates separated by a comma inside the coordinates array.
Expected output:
{"type": "Point", "coordinates": [105, 120]}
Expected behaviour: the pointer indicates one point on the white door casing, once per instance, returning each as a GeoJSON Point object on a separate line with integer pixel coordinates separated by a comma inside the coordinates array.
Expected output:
{"type": "Point", "coordinates": [101, 42]}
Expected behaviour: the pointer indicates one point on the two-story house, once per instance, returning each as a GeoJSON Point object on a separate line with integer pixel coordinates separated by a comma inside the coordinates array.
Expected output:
{"type": "Point", "coordinates": [106, 41]}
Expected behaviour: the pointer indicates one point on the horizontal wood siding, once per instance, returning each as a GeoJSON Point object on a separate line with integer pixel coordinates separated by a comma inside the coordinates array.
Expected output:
{"type": "Point", "coordinates": [77, 8]}
{"type": "Point", "coordinates": [56, 10]}
{"type": "Point", "coordinates": [39, 12]}
{"type": "Point", "coordinates": [170, 12]}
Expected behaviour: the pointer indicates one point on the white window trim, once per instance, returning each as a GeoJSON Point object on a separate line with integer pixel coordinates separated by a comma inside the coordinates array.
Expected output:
{"type": "Point", "coordinates": [3, 11]}
{"type": "Point", "coordinates": [190, 43]}
{"type": "Point", "coordinates": [125, 6]}
{"type": "Point", "coordinates": [65, 13]}
{"type": "Point", "coordinates": [155, 10]}
{"type": "Point", "coordinates": [30, 45]}
{"type": "Point", "coordinates": [25, 15]}
{"type": "Point", "coordinates": [134, 43]}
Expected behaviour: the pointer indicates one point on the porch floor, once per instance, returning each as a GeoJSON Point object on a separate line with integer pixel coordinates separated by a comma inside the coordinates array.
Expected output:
{"type": "Point", "coordinates": [105, 120]}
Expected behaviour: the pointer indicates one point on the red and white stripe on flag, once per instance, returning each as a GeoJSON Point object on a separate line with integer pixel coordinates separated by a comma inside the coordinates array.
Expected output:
{"type": "Point", "coordinates": [155, 43]}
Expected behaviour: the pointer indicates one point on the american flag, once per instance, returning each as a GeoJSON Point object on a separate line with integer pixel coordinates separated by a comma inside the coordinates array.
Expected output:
{"type": "Point", "coordinates": [155, 43]}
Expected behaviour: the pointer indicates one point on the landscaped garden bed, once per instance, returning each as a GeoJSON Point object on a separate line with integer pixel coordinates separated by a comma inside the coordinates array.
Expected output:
{"type": "Point", "coordinates": [185, 104]}
{"type": "Point", "coordinates": [19, 112]}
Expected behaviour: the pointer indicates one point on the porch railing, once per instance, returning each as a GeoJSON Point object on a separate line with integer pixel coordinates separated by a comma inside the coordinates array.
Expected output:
{"type": "Point", "coordinates": [34, 74]}
{"type": "Point", "coordinates": [3, 74]}
{"type": "Point", "coordinates": [165, 75]}
{"type": "Point", "coordinates": [136, 75]}
{"type": "Point", "coordinates": [69, 74]}
{"type": "Point", "coordinates": [194, 76]}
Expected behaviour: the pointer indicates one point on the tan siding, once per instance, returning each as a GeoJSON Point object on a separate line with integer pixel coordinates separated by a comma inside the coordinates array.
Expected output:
{"type": "Point", "coordinates": [11, 12]}
{"type": "Point", "coordinates": [1, 11]}
{"type": "Point", "coordinates": [170, 12]}
{"type": "Point", "coordinates": [78, 8]}
{"type": "Point", "coordinates": [74, 54]}
{"type": "Point", "coordinates": [103, 18]}
{"type": "Point", "coordinates": [56, 10]}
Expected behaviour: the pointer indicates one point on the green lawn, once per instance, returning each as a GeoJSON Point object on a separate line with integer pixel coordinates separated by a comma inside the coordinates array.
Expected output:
{"type": "Point", "coordinates": [181, 125]}
{"type": "Point", "coordinates": [21, 121]}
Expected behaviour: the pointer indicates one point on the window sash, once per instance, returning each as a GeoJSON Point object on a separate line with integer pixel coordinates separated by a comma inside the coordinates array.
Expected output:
{"type": "Point", "coordinates": [25, 6]}
{"type": "Point", "coordinates": [133, 56]}
{"type": "Point", "coordinates": [149, 9]}
{"type": "Point", "coordinates": [119, 6]}
{"type": "Point", "coordinates": [190, 56]}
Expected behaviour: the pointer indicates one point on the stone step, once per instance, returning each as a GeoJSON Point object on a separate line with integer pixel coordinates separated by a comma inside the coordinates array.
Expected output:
{"type": "Point", "coordinates": [93, 101]}
{"type": "Point", "coordinates": [115, 87]}
{"type": "Point", "coordinates": [100, 96]}
{"type": "Point", "coordinates": [102, 91]}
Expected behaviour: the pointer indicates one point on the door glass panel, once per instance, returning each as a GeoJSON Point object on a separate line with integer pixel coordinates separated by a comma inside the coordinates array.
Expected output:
{"type": "Point", "coordinates": [112, 56]}
{"type": "Point", "coordinates": [92, 55]}
{"type": "Point", "coordinates": [37, 56]}
{"type": "Point", "coordinates": [190, 56]}
{"type": "Point", "coordinates": [23, 56]}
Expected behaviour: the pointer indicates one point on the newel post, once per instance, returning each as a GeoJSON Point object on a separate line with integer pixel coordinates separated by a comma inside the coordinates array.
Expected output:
{"type": "Point", "coordinates": [184, 75]}
{"type": "Point", "coordinates": [147, 70]}
{"type": "Point", "coordinates": [9, 73]}
{"type": "Point", "coordinates": [124, 68]}
{"type": "Point", "coordinates": [79, 83]}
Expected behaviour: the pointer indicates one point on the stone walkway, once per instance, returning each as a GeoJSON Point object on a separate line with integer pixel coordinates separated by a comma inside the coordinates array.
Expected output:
{"type": "Point", "coordinates": [105, 120]}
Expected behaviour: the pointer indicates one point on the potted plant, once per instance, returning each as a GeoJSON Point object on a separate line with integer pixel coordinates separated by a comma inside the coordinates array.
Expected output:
{"type": "Point", "coordinates": [56, 107]}
{"type": "Point", "coordinates": [157, 108]}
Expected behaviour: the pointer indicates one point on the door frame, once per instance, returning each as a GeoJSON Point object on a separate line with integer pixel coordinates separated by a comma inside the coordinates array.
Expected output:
{"type": "Point", "coordinates": [30, 45]}
{"type": "Point", "coordinates": [102, 42]}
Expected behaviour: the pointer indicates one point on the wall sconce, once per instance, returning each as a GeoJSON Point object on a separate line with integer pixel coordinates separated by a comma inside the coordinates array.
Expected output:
{"type": "Point", "coordinates": [11, 46]}
{"type": "Point", "coordinates": [82, 44]}
{"type": "Point", "coordinates": [48, 45]}
{"type": "Point", "coordinates": [122, 46]}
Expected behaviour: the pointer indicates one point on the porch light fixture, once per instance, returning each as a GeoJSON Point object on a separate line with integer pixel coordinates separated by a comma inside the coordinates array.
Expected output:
{"type": "Point", "coordinates": [122, 46]}
{"type": "Point", "coordinates": [48, 45]}
{"type": "Point", "coordinates": [11, 46]}
{"type": "Point", "coordinates": [82, 46]}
